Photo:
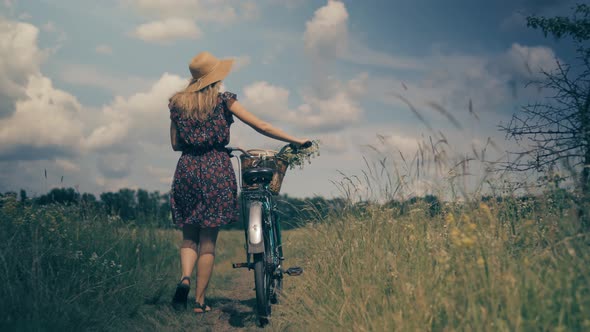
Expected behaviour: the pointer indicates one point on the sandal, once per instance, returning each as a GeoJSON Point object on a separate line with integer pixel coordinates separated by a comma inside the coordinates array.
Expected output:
{"type": "Point", "coordinates": [179, 301]}
{"type": "Point", "coordinates": [203, 307]}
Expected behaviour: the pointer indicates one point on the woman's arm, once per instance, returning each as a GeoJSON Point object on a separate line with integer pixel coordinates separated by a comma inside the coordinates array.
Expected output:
{"type": "Point", "coordinates": [174, 139]}
{"type": "Point", "coordinates": [262, 127]}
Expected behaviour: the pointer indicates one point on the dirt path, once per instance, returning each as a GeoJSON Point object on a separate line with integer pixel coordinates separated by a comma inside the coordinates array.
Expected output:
{"type": "Point", "coordinates": [232, 303]}
{"type": "Point", "coordinates": [234, 307]}
{"type": "Point", "coordinates": [231, 296]}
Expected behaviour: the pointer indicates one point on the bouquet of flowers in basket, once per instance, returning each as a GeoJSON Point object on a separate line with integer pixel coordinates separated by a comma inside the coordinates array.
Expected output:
{"type": "Point", "coordinates": [298, 156]}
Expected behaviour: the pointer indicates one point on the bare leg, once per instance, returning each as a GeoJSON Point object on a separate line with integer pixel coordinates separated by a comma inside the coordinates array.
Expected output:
{"type": "Point", "coordinates": [207, 239]}
{"type": "Point", "coordinates": [188, 251]}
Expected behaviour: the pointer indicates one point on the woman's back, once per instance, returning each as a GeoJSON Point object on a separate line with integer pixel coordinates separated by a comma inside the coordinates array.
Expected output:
{"type": "Point", "coordinates": [209, 133]}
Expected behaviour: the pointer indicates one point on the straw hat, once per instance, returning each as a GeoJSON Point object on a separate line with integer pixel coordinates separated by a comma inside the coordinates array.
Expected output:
{"type": "Point", "coordinates": [206, 69]}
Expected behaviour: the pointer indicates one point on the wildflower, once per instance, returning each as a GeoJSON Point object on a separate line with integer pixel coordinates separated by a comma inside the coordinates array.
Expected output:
{"type": "Point", "coordinates": [467, 241]}
{"type": "Point", "coordinates": [480, 261]}
{"type": "Point", "coordinates": [486, 210]}
{"type": "Point", "coordinates": [571, 251]}
{"type": "Point", "coordinates": [456, 236]}
{"type": "Point", "coordinates": [472, 226]}
{"type": "Point", "coordinates": [449, 219]}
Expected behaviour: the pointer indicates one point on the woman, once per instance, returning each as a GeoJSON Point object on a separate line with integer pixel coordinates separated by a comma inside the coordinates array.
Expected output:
{"type": "Point", "coordinates": [204, 189]}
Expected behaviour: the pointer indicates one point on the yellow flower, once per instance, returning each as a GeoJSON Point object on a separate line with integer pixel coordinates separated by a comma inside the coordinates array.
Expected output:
{"type": "Point", "coordinates": [484, 207]}
{"type": "Point", "coordinates": [480, 261]}
{"type": "Point", "coordinates": [467, 241]}
{"type": "Point", "coordinates": [472, 226]}
{"type": "Point", "coordinates": [486, 210]}
{"type": "Point", "coordinates": [449, 219]}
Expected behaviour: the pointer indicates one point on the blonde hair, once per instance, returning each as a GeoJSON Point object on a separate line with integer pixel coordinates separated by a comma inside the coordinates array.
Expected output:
{"type": "Point", "coordinates": [197, 105]}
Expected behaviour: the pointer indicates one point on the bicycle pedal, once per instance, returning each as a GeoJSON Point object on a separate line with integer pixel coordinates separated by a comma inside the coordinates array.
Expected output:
{"type": "Point", "coordinates": [294, 271]}
{"type": "Point", "coordinates": [239, 265]}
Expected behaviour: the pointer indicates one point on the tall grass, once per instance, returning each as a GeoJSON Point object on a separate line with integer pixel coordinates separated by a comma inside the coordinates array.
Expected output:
{"type": "Point", "coordinates": [65, 268]}
{"type": "Point", "coordinates": [465, 270]}
{"type": "Point", "coordinates": [511, 262]}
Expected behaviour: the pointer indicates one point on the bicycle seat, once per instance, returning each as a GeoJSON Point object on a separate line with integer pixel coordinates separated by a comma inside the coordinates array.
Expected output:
{"type": "Point", "coordinates": [258, 175]}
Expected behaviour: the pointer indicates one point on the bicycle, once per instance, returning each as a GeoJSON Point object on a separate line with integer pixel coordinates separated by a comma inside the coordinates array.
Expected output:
{"type": "Point", "coordinates": [261, 174]}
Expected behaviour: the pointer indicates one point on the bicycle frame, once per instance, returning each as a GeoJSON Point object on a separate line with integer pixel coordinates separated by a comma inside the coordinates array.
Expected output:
{"type": "Point", "coordinates": [262, 229]}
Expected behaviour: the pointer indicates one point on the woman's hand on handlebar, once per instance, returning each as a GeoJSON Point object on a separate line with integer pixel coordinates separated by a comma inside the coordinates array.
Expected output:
{"type": "Point", "coordinates": [302, 144]}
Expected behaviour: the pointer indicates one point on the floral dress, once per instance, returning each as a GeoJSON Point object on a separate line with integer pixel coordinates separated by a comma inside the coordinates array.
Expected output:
{"type": "Point", "coordinates": [204, 189]}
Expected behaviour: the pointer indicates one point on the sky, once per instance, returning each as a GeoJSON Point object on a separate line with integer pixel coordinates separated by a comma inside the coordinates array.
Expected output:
{"type": "Point", "coordinates": [84, 85]}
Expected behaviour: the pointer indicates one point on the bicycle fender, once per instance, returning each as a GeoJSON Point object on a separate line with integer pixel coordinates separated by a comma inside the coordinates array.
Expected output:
{"type": "Point", "coordinates": [255, 240]}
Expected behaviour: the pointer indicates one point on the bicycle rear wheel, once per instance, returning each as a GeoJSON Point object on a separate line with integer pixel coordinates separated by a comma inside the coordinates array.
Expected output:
{"type": "Point", "coordinates": [262, 282]}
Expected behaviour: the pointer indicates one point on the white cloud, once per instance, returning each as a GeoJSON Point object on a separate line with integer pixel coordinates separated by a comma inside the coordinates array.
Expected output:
{"type": "Point", "coordinates": [37, 121]}
{"type": "Point", "coordinates": [143, 116]}
{"type": "Point", "coordinates": [49, 27]}
{"type": "Point", "coordinates": [47, 119]}
{"type": "Point", "coordinates": [115, 165]}
{"type": "Point", "coordinates": [327, 31]}
{"type": "Point", "coordinates": [524, 62]}
{"type": "Point", "coordinates": [267, 99]}
{"type": "Point", "coordinates": [24, 16]}
{"type": "Point", "coordinates": [175, 19]}
{"type": "Point", "coordinates": [494, 85]}
{"type": "Point", "coordinates": [67, 165]}
{"type": "Point", "coordinates": [241, 62]}
{"type": "Point", "coordinates": [109, 134]}
{"type": "Point", "coordinates": [167, 30]}
{"type": "Point", "coordinates": [96, 77]}
{"type": "Point", "coordinates": [200, 10]}
{"type": "Point", "coordinates": [163, 175]}
{"type": "Point", "coordinates": [334, 110]}
{"type": "Point", "coordinates": [107, 184]}
{"type": "Point", "coordinates": [327, 37]}
{"type": "Point", "coordinates": [20, 58]}
{"type": "Point", "coordinates": [104, 49]}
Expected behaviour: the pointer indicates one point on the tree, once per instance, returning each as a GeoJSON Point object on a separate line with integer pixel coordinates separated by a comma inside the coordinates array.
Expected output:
{"type": "Point", "coordinates": [23, 196]}
{"type": "Point", "coordinates": [558, 130]}
{"type": "Point", "coordinates": [59, 196]}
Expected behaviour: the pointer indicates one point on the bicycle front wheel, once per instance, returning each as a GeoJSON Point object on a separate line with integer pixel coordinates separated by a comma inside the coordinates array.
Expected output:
{"type": "Point", "coordinates": [262, 281]}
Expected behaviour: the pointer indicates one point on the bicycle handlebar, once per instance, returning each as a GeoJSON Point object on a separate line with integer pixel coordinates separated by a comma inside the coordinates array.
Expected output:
{"type": "Point", "coordinates": [293, 146]}
{"type": "Point", "coordinates": [232, 149]}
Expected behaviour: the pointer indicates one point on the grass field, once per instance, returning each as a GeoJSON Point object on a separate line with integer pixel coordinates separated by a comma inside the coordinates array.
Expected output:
{"type": "Point", "coordinates": [495, 266]}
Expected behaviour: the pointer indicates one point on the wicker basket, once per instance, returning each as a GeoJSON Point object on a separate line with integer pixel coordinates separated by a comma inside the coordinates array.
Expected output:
{"type": "Point", "coordinates": [265, 158]}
